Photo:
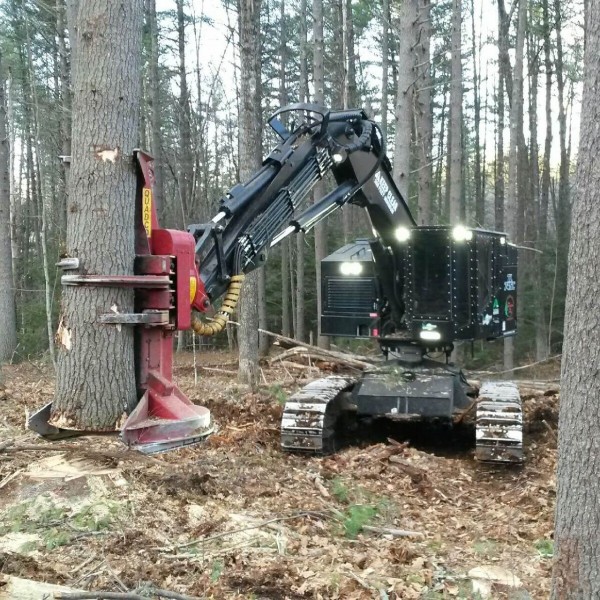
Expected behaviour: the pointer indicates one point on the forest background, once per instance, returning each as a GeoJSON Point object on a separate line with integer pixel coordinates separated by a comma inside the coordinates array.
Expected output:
{"type": "Point", "coordinates": [479, 100]}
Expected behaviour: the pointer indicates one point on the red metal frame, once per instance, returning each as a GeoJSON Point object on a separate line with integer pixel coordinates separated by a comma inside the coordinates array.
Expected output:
{"type": "Point", "coordinates": [164, 415]}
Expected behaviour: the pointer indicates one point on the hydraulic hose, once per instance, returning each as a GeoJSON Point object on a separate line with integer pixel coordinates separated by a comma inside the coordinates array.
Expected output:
{"type": "Point", "coordinates": [220, 319]}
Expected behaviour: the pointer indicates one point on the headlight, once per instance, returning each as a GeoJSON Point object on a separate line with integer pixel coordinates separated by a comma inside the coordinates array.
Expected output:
{"type": "Point", "coordinates": [402, 234]}
{"type": "Point", "coordinates": [351, 268]}
{"type": "Point", "coordinates": [502, 241]}
{"type": "Point", "coordinates": [461, 234]}
{"type": "Point", "coordinates": [430, 336]}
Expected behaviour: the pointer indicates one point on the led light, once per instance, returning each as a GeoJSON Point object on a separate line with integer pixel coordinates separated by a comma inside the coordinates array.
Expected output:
{"type": "Point", "coordinates": [403, 234]}
{"type": "Point", "coordinates": [219, 216]}
{"type": "Point", "coordinates": [430, 336]}
{"type": "Point", "coordinates": [461, 234]}
{"type": "Point", "coordinates": [337, 158]}
{"type": "Point", "coordinates": [502, 241]}
{"type": "Point", "coordinates": [283, 235]}
{"type": "Point", "coordinates": [351, 268]}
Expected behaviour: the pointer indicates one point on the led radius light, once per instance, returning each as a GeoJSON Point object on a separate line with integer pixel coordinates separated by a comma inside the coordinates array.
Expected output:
{"type": "Point", "coordinates": [402, 234]}
{"type": "Point", "coordinates": [430, 336]}
{"type": "Point", "coordinates": [351, 268]}
{"type": "Point", "coordinates": [461, 234]}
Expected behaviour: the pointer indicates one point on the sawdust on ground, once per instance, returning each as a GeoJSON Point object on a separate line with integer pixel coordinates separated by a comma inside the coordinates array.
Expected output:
{"type": "Point", "coordinates": [236, 518]}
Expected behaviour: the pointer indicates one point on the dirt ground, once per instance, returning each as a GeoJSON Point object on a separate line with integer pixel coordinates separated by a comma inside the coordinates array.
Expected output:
{"type": "Point", "coordinates": [236, 518]}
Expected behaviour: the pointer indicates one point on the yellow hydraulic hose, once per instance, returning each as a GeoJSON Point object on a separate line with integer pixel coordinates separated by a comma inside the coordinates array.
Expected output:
{"type": "Point", "coordinates": [220, 319]}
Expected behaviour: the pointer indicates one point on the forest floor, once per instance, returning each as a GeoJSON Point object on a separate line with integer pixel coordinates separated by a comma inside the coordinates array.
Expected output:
{"type": "Point", "coordinates": [236, 518]}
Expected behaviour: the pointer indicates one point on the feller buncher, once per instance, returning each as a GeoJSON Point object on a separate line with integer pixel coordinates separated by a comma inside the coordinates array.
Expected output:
{"type": "Point", "coordinates": [416, 290]}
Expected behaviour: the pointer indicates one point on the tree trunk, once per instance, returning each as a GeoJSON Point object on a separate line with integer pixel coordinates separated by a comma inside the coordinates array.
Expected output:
{"type": "Point", "coordinates": [535, 263]}
{"type": "Point", "coordinates": [546, 176]}
{"type": "Point", "coordinates": [299, 329]}
{"type": "Point", "coordinates": [250, 160]}
{"type": "Point", "coordinates": [186, 166]}
{"type": "Point", "coordinates": [155, 114]}
{"type": "Point", "coordinates": [349, 93]}
{"type": "Point", "coordinates": [516, 129]}
{"type": "Point", "coordinates": [404, 97]}
{"type": "Point", "coordinates": [563, 205]}
{"type": "Point", "coordinates": [14, 206]}
{"type": "Point", "coordinates": [286, 328]}
{"type": "Point", "coordinates": [439, 194]}
{"type": "Point", "coordinates": [41, 196]}
{"type": "Point", "coordinates": [456, 124]}
{"type": "Point", "coordinates": [65, 112]}
{"type": "Point", "coordinates": [424, 118]}
{"type": "Point", "coordinates": [8, 319]}
{"type": "Point", "coordinates": [479, 203]}
{"type": "Point", "coordinates": [319, 189]}
{"type": "Point", "coordinates": [499, 179]}
{"type": "Point", "coordinates": [577, 545]}
{"type": "Point", "coordinates": [95, 381]}
{"type": "Point", "coordinates": [385, 64]}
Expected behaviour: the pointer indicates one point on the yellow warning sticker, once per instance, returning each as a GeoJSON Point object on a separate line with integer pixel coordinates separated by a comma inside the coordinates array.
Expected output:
{"type": "Point", "coordinates": [147, 210]}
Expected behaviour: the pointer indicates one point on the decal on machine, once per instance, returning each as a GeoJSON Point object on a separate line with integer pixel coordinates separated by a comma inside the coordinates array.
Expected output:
{"type": "Point", "coordinates": [387, 194]}
{"type": "Point", "coordinates": [147, 210]}
{"type": "Point", "coordinates": [509, 308]}
{"type": "Point", "coordinates": [510, 285]}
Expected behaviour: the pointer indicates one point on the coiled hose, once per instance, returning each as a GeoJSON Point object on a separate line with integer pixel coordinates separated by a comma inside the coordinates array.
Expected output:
{"type": "Point", "coordinates": [220, 319]}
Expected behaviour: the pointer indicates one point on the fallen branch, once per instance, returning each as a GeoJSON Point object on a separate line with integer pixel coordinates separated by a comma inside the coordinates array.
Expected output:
{"type": "Point", "coordinates": [6, 444]}
{"type": "Point", "coordinates": [416, 474]}
{"type": "Point", "coordinates": [52, 447]}
{"type": "Point", "coordinates": [552, 432]}
{"type": "Point", "coordinates": [217, 370]}
{"type": "Point", "coordinates": [393, 531]}
{"type": "Point", "coordinates": [242, 529]}
{"type": "Point", "coordinates": [469, 410]}
{"type": "Point", "coordinates": [99, 596]}
{"type": "Point", "coordinates": [361, 363]}
{"type": "Point", "coordinates": [124, 595]}
{"type": "Point", "coordinates": [292, 365]}
{"type": "Point", "coordinates": [314, 355]}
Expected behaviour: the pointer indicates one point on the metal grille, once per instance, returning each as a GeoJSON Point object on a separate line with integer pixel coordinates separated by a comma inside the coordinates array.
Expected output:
{"type": "Point", "coordinates": [350, 294]}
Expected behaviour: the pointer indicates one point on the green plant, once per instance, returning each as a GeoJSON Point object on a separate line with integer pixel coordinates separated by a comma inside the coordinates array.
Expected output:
{"type": "Point", "coordinates": [96, 517]}
{"type": "Point", "coordinates": [216, 570]}
{"type": "Point", "coordinates": [356, 517]}
{"type": "Point", "coordinates": [545, 547]}
{"type": "Point", "coordinates": [277, 392]}
{"type": "Point", "coordinates": [55, 538]}
{"type": "Point", "coordinates": [340, 490]}
{"type": "Point", "coordinates": [486, 548]}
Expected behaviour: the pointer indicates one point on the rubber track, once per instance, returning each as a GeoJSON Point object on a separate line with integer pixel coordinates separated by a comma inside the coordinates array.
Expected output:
{"type": "Point", "coordinates": [306, 422]}
{"type": "Point", "coordinates": [499, 423]}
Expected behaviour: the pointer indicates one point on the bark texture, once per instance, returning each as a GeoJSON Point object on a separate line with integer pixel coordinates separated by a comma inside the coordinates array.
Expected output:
{"type": "Point", "coordinates": [385, 58]}
{"type": "Point", "coordinates": [250, 159]}
{"type": "Point", "coordinates": [319, 190]}
{"type": "Point", "coordinates": [95, 375]}
{"type": "Point", "coordinates": [424, 117]}
{"type": "Point", "coordinates": [514, 164]}
{"type": "Point", "coordinates": [155, 115]}
{"type": "Point", "coordinates": [404, 96]}
{"type": "Point", "coordinates": [300, 241]}
{"type": "Point", "coordinates": [8, 325]}
{"type": "Point", "coordinates": [456, 99]}
{"type": "Point", "coordinates": [577, 544]}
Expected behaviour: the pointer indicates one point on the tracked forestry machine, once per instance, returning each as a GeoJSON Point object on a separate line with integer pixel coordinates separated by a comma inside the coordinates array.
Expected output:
{"type": "Point", "coordinates": [416, 290]}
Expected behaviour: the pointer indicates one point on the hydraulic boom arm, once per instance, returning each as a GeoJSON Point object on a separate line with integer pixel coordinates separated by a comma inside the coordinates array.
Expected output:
{"type": "Point", "coordinates": [257, 214]}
